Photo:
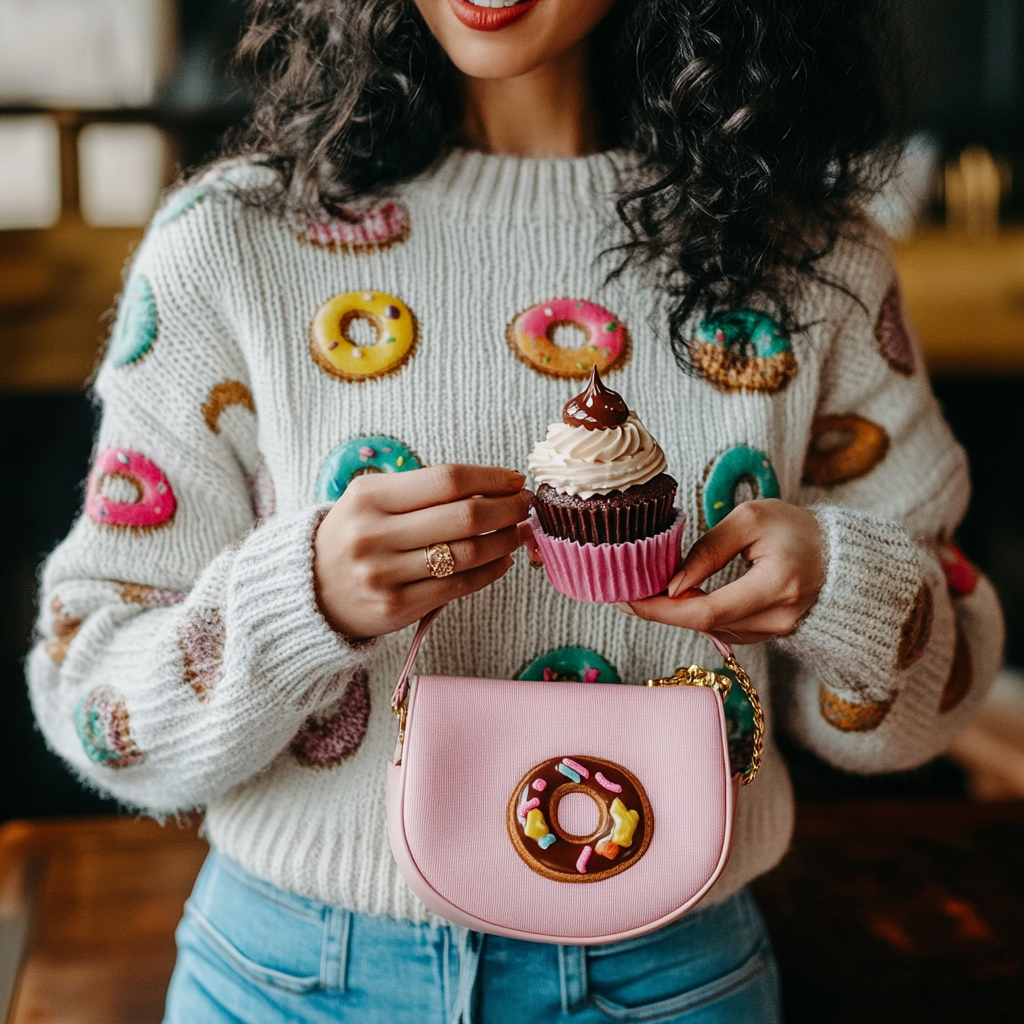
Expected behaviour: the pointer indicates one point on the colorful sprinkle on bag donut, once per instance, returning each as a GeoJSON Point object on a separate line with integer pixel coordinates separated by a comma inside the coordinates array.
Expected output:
{"type": "Point", "coordinates": [620, 826]}
{"type": "Point", "coordinates": [358, 456]}
{"type": "Point", "coordinates": [155, 504]}
{"type": "Point", "coordinates": [531, 336]}
{"type": "Point", "coordinates": [743, 350]}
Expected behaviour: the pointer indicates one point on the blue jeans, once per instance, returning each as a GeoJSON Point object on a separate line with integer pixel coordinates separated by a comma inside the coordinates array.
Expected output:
{"type": "Point", "coordinates": [250, 953]}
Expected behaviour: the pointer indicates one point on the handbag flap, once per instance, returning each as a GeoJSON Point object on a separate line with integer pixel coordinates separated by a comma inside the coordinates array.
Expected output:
{"type": "Point", "coordinates": [469, 745]}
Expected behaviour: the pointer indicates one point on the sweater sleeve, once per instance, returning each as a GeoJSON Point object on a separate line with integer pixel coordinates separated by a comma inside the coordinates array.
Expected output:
{"type": "Point", "coordinates": [906, 635]}
{"type": "Point", "coordinates": [180, 644]}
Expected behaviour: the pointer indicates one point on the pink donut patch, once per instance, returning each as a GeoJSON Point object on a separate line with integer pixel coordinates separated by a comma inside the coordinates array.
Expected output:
{"type": "Point", "coordinates": [155, 504]}
{"type": "Point", "coordinates": [373, 229]}
{"type": "Point", "coordinates": [606, 343]}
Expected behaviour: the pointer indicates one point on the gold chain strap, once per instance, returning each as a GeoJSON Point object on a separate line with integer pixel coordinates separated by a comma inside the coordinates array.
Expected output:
{"type": "Point", "coordinates": [697, 676]}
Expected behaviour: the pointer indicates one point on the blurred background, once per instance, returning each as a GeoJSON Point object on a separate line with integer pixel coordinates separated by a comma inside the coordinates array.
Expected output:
{"type": "Point", "coordinates": [104, 102]}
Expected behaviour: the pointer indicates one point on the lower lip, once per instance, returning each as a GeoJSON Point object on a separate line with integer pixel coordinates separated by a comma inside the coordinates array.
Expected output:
{"type": "Point", "coordinates": [489, 19]}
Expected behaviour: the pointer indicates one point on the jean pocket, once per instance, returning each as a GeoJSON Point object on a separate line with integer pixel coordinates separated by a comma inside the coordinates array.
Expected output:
{"type": "Point", "coordinates": [752, 985]}
{"type": "Point", "coordinates": [245, 965]}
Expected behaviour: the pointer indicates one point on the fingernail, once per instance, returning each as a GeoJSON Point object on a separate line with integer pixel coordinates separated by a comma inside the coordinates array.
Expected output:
{"type": "Point", "coordinates": [525, 533]}
{"type": "Point", "coordinates": [625, 608]}
{"type": "Point", "coordinates": [677, 586]}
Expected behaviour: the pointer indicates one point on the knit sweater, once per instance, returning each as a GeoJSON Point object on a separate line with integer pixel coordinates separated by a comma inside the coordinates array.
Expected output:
{"type": "Point", "coordinates": [182, 659]}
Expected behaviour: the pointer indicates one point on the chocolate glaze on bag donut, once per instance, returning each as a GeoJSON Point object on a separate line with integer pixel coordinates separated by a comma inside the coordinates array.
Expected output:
{"type": "Point", "coordinates": [623, 832]}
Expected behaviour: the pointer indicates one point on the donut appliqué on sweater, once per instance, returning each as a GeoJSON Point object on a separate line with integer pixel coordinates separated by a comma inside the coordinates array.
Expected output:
{"type": "Point", "coordinates": [961, 576]}
{"type": "Point", "coordinates": [843, 448]}
{"type": "Point", "coordinates": [570, 665]}
{"type": "Point", "coordinates": [891, 333]}
{"type": "Point", "coordinates": [222, 396]}
{"type": "Point", "coordinates": [358, 456]}
{"type": "Point", "coordinates": [201, 635]}
{"type": "Point", "coordinates": [136, 326]}
{"type": "Point", "coordinates": [65, 628]}
{"type": "Point", "coordinates": [337, 353]}
{"type": "Point", "coordinates": [579, 819]}
{"type": "Point", "coordinates": [743, 350]}
{"type": "Point", "coordinates": [847, 716]}
{"type": "Point", "coordinates": [738, 467]}
{"type": "Point", "coordinates": [916, 630]}
{"type": "Point", "coordinates": [961, 675]}
{"type": "Point", "coordinates": [154, 504]}
{"type": "Point", "coordinates": [373, 229]}
{"type": "Point", "coordinates": [531, 336]}
{"type": "Point", "coordinates": [185, 199]}
{"type": "Point", "coordinates": [101, 722]}
{"type": "Point", "coordinates": [325, 740]}
{"type": "Point", "coordinates": [148, 597]}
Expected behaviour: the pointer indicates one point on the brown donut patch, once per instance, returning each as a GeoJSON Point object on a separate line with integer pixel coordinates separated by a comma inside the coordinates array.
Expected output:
{"type": "Point", "coordinates": [148, 597]}
{"type": "Point", "coordinates": [613, 842]}
{"type": "Point", "coordinates": [846, 716]}
{"type": "Point", "coordinates": [916, 630]}
{"type": "Point", "coordinates": [223, 396]}
{"type": "Point", "coordinates": [891, 333]}
{"type": "Point", "coordinates": [961, 674]}
{"type": "Point", "coordinates": [326, 741]}
{"type": "Point", "coordinates": [202, 636]}
{"type": "Point", "coordinates": [65, 629]}
{"type": "Point", "coordinates": [843, 448]}
{"type": "Point", "coordinates": [730, 371]}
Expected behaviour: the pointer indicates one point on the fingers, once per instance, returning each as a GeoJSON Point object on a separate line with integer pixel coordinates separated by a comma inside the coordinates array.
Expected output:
{"type": "Point", "coordinates": [435, 485]}
{"type": "Point", "coordinates": [459, 520]}
{"type": "Point", "coordinates": [718, 547]}
{"type": "Point", "coordinates": [430, 593]}
{"type": "Point", "coordinates": [468, 554]}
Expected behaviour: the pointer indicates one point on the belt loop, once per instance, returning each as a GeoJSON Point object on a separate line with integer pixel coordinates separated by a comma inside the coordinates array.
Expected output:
{"type": "Point", "coordinates": [334, 956]}
{"type": "Point", "coordinates": [572, 966]}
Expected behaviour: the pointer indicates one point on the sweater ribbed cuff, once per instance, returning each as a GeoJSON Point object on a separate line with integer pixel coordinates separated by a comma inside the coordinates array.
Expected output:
{"type": "Point", "coordinates": [272, 605]}
{"type": "Point", "coordinates": [851, 636]}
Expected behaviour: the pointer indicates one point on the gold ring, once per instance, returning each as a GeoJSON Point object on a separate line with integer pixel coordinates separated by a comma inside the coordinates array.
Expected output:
{"type": "Point", "coordinates": [439, 560]}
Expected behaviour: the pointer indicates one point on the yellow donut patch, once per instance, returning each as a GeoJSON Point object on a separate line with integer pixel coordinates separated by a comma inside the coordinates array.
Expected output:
{"type": "Point", "coordinates": [336, 353]}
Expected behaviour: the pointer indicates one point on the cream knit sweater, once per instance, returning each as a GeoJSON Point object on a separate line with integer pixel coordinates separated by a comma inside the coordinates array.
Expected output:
{"type": "Point", "coordinates": [182, 661]}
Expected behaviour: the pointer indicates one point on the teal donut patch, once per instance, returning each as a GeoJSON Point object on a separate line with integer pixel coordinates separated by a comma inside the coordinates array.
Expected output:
{"type": "Point", "coordinates": [743, 327]}
{"type": "Point", "coordinates": [570, 665]}
{"type": "Point", "coordinates": [101, 722]}
{"type": "Point", "coordinates": [135, 328]}
{"type": "Point", "coordinates": [180, 203]}
{"type": "Point", "coordinates": [358, 456]}
{"type": "Point", "coordinates": [738, 465]}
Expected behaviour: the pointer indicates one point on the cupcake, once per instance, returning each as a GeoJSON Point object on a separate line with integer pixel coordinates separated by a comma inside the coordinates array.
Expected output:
{"type": "Point", "coordinates": [603, 515]}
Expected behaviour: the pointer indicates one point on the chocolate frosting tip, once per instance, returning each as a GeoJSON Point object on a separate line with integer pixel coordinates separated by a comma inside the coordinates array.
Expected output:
{"type": "Point", "coordinates": [597, 408]}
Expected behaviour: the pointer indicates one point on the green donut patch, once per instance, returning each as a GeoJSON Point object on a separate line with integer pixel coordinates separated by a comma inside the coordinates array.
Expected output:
{"type": "Point", "coordinates": [739, 465]}
{"type": "Point", "coordinates": [743, 350]}
{"type": "Point", "coordinates": [135, 328]}
{"type": "Point", "coordinates": [570, 665]}
{"type": "Point", "coordinates": [739, 722]}
{"type": "Point", "coordinates": [377, 454]}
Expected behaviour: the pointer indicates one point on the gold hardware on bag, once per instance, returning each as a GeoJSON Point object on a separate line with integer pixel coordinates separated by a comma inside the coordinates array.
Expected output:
{"type": "Point", "coordinates": [697, 676]}
{"type": "Point", "coordinates": [400, 711]}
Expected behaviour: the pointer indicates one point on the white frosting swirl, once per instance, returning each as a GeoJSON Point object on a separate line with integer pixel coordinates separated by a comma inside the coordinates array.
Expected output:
{"type": "Point", "coordinates": [574, 460]}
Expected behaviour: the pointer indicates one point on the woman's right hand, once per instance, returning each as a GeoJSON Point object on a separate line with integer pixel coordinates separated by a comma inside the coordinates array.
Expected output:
{"type": "Point", "coordinates": [369, 565]}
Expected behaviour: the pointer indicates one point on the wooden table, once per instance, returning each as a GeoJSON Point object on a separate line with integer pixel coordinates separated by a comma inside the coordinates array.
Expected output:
{"type": "Point", "coordinates": [894, 912]}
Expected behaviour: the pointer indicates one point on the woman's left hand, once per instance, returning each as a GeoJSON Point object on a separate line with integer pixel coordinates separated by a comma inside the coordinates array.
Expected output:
{"type": "Point", "coordinates": [784, 545]}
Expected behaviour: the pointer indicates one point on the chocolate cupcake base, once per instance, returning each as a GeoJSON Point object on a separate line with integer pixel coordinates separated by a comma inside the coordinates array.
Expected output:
{"type": "Point", "coordinates": [614, 518]}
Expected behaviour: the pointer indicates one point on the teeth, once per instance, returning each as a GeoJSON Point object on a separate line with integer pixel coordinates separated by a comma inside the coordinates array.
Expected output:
{"type": "Point", "coordinates": [493, 3]}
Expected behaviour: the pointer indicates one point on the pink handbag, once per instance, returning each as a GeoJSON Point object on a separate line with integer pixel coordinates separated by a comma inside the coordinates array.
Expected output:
{"type": "Point", "coordinates": [561, 812]}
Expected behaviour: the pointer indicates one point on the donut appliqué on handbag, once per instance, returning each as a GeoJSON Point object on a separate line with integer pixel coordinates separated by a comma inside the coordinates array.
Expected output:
{"type": "Point", "coordinates": [531, 336]}
{"type": "Point", "coordinates": [579, 819]}
{"type": "Point", "coordinates": [743, 350]}
{"type": "Point", "coordinates": [336, 353]}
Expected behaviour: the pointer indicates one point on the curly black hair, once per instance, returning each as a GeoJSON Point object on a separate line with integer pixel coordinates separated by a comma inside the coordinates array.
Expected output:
{"type": "Point", "coordinates": [762, 126]}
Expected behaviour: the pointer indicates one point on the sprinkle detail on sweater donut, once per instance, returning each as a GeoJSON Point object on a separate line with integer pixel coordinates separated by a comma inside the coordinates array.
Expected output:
{"type": "Point", "coordinates": [358, 456]}
{"type": "Point", "coordinates": [325, 740]}
{"type": "Point", "coordinates": [102, 725]}
{"type": "Point", "coordinates": [222, 396]}
{"type": "Point", "coordinates": [732, 468]}
{"type": "Point", "coordinates": [336, 353]}
{"type": "Point", "coordinates": [202, 636]}
{"type": "Point", "coordinates": [961, 673]}
{"type": "Point", "coordinates": [625, 822]}
{"type": "Point", "coordinates": [136, 326]}
{"type": "Point", "coordinates": [155, 505]}
{"type": "Point", "coordinates": [891, 333]}
{"type": "Point", "coordinates": [847, 716]}
{"type": "Point", "coordinates": [531, 336]}
{"type": "Point", "coordinates": [373, 229]}
{"type": "Point", "coordinates": [743, 350]}
{"type": "Point", "coordinates": [570, 665]}
{"type": "Point", "coordinates": [916, 630]}
{"type": "Point", "coordinates": [843, 448]}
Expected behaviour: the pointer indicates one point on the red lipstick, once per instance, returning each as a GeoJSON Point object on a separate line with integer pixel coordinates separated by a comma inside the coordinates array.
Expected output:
{"type": "Point", "coordinates": [489, 19]}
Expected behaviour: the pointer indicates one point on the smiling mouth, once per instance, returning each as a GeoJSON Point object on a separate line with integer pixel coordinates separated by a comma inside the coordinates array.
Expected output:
{"type": "Point", "coordinates": [490, 15]}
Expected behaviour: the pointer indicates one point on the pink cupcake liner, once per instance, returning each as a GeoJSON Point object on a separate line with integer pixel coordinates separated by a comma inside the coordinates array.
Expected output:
{"type": "Point", "coordinates": [606, 573]}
